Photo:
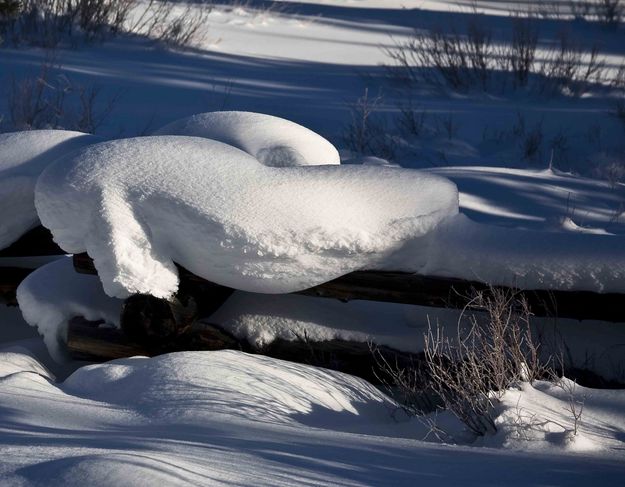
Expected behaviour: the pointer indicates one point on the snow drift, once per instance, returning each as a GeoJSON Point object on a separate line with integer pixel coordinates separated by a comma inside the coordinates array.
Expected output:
{"type": "Point", "coordinates": [139, 205]}
{"type": "Point", "coordinates": [23, 155]}
{"type": "Point", "coordinates": [191, 387]}
{"type": "Point", "coordinates": [272, 140]}
{"type": "Point", "coordinates": [228, 418]}
{"type": "Point", "coordinates": [527, 259]}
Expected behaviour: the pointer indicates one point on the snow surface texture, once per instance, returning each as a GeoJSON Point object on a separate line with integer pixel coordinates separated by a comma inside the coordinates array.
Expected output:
{"type": "Point", "coordinates": [227, 418]}
{"type": "Point", "coordinates": [272, 140]}
{"type": "Point", "coordinates": [527, 259]}
{"type": "Point", "coordinates": [55, 293]}
{"type": "Point", "coordinates": [139, 205]}
{"type": "Point", "coordinates": [536, 229]}
{"type": "Point", "coordinates": [23, 155]}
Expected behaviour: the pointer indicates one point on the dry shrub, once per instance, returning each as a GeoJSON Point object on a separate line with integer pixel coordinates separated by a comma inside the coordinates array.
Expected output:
{"type": "Point", "coordinates": [51, 100]}
{"type": "Point", "coordinates": [460, 60]}
{"type": "Point", "coordinates": [472, 371]}
{"type": "Point", "coordinates": [468, 372]}
{"type": "Point", "coordinates": [171, 23]}
{"type": "Point", "coordinates": [607, 12]}
{"type": "Point", "coordinates": [366, 133]}
{"type": "Point", "coordinates": [48, 23]}
{"type": "Point", "coordinates": [470, 59]}
{"type": "Point", "coordinates": [610, 12]}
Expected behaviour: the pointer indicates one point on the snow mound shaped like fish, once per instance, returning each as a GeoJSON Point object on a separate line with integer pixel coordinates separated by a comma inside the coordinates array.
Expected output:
{"type": "Point", "coordinates": [139, 205]}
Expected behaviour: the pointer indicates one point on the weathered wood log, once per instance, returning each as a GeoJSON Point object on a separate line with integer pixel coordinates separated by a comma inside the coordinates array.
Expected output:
{"type": "Point", "coordinates": [10, 278]}
{"type": "Point", "coordinates": [439, 292]}
{"type": "Point", "coordinates": [35, 242]}
{"type": "Point", "coordinates": [90, 341]}
{"type": "Point", "coordinates": [355, 358]}
{"type": "Point", "coordinates": [165, 326]}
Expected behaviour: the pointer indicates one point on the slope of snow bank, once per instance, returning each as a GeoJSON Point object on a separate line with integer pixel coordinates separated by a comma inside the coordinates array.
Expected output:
{"type": "Point", "coordinates": [540, 417]}
{"type": "Point", "coordinates": [227, 418]}
{"type": "Point", "coordinates": [23, 155]}
{"type": "Point", "coordinates": [138, 205]}
{"type": "Point", "coordinates": [528, 259]}
{"type": "Point", "coordinates": [55, 293]}
{"type": "Point", "coordinates": [20, 361]}
{"type": "Point", "coordinates": [272, 140]}
{"type": "Point", "coordinates": [197, 386]}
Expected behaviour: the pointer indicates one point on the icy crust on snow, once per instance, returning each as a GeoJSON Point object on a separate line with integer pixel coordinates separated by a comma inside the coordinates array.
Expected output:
{"type": "Point", "coordinates": [139, 205]}
{"type": "Point", "coordinates": [272, 140]}
{"type": "Point", "coordinates": [23, 155]}
{"type": "Point", "coordinates": [528, 259]}
{"type": "Point", "coordinates": [55, 293]}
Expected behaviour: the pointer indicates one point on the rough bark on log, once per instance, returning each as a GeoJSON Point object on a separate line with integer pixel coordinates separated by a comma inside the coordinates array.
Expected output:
{"type": "Point", "coordinates": [407, 288]}
{"type": "Point", "coordinates": [35, 242]}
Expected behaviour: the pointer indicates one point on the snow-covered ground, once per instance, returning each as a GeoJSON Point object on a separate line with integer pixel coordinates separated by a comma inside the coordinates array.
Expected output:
{"type": "Point", "coordinates": [227, 418]}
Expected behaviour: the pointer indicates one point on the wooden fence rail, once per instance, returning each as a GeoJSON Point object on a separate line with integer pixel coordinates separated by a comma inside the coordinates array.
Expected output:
{"type": "Point", "coordinates": [439, 292]}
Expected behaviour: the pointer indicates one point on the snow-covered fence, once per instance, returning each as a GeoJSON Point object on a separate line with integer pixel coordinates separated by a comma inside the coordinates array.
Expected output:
{"type": "Point", "coordinates": [144, 318]}
{"type": "Point", "coordinates": [246, 213]}
{"type": "Point", "coordinates": [432, 291]}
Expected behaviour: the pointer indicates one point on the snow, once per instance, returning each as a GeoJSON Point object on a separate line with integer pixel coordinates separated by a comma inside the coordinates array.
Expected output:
{"type": "Point", "coordinates": [260, 320]}
{"type": "Point", "coordinates": [55, 293]}
{"type": "Point", "coordinates": [23, 156]}
{"type": "Point", "coordinates": [225, 417]}
{"type": "Point", "coordinates": [208, 418]}
{"type": "Point", "coordinates": [540, 417]}
{"type": "Point", "coordinates": [138, 205]}
{"type": "Point", "coordinates": [272, 140]}
{"type": "Point", "coordinates": [537, 199]}
{"type": "Point", "coordinates": [527, 259]}
{"type": "Point", "coordinates": [536, 229]}
{"type": "Point", "coordinates": [291, 393]}
{"type": "Point", "coordinates": [17, 362]}
{"type": "Point", "coordinates": [327, 220]}
{"type": "Point", "coordinates": [49, 307]}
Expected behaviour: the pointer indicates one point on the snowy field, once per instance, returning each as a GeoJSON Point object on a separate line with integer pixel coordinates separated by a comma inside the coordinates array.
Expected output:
{"type": "Point", "coordinates": [515, 187]}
